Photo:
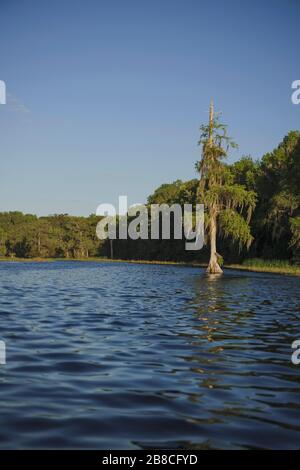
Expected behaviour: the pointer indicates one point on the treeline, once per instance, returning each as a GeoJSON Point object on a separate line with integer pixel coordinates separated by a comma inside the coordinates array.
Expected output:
{"type": "Point", "coordinates": [275, 224]}
{"type": "Point", "coordinates": [57, 236]}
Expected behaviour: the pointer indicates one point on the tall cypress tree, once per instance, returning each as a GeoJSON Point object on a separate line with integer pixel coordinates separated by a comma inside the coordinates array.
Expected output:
{"type": "Point", "coordinates": [228, 206]}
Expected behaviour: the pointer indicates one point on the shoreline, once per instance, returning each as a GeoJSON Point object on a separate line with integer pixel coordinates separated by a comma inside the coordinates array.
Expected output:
{"type": "Point", "coordinates": [284, 270]}
{"type": "Point", "coordinates": [288, 270]}
{"type": "Point", "coordinates": [103, 260]}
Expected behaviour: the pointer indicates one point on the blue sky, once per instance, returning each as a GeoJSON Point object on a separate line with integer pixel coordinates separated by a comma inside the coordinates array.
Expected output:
{"type": "Point", "coordinates": [106, 97]}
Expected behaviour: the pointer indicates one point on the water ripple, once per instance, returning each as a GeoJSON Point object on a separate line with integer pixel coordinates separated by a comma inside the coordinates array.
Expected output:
{"type": "Point", "coordinates": [103, 355]}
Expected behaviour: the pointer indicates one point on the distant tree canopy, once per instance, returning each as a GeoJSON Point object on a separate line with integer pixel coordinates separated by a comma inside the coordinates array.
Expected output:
{"type": "Point", "coordinates": [275, 224]}
{"type": "Point", "coordinates": [57, 236]}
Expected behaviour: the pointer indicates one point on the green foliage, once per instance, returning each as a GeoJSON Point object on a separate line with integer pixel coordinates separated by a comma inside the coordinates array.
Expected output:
{"type": "Point", "coordinates": [295, 229]}
{"type": "Point", "coordinates": [220, 137]}
{"type": "Point", "coordinates": [278, 182]}
{"type": "Point", "coordinates": [28, 236]}
{"type": "Point", "coordinates": [245, 172]}
{"type": "Point", "coordinates": [263, 263]}
{"type": "Point", "coordinates": [220, 259]}
{"type": "Point", "coordinates": [228, 203]}
{"type": "Point", "coordinates": [235, 227]}
{"type": "Point", "coordinates": [258, 203]}
{"type": "Point", "coordinates": [166, 193]}
{"type": "Point", "coordinates": [232, 197]}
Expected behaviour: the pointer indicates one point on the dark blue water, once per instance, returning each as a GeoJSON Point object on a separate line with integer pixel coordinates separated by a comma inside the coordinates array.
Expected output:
{"type": "Point", "coordinates": [113, 355]}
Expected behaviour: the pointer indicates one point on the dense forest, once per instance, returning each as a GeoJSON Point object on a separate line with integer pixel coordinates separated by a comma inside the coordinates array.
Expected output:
{"type": "Point", "coordinates": [274, 227]}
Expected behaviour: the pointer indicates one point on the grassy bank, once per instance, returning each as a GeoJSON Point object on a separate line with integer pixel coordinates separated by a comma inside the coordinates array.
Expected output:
{"type": "Point", "coordinates": [267, 266]}
{"type": "Point", "coordinates": [101, 260]}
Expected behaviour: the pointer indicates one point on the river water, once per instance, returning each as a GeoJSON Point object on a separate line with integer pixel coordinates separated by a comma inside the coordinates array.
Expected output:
{"type": "Point", "coordinates": [117, 355]}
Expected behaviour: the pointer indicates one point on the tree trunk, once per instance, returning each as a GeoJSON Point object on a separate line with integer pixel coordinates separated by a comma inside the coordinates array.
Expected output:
{"type": "Point", "coordinates": [213, 266]}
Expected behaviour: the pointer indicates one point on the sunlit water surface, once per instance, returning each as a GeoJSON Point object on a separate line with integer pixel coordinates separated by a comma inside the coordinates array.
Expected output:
{"type": "Point", "coordinates": [116, 355]}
